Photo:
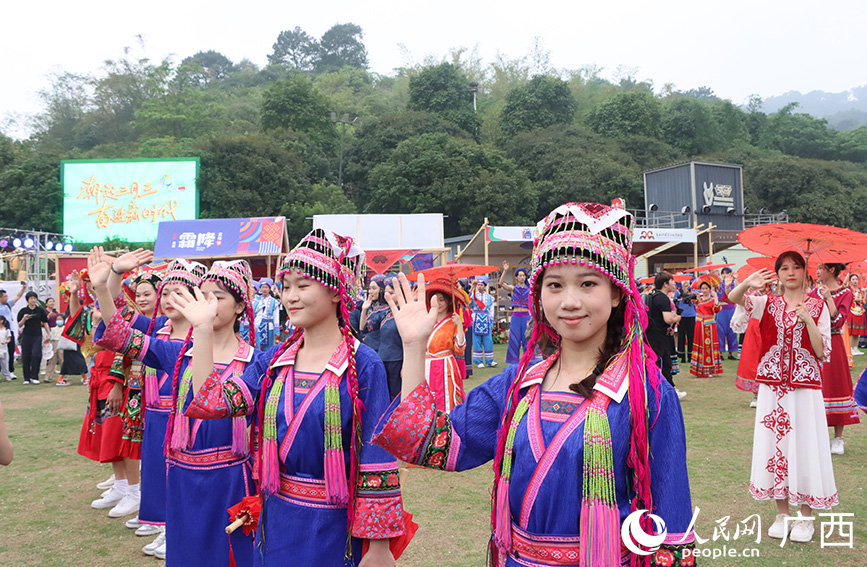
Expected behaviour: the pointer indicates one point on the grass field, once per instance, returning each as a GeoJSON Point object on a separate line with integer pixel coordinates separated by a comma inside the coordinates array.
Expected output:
{"type": "Point", "coordinates": [45, 495]}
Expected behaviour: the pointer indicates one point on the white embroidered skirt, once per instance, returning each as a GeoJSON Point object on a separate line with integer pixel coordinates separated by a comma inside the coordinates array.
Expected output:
{"type": "Point", "coordinates": [791, 449]}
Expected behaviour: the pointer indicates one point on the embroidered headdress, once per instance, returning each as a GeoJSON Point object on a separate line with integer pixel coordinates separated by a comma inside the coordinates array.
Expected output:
{"type": "Point", "coordinates": [600, 237]}
{"type": "Point", "coordinates": [236, 276]}
{"type": "Point", "coordinates": [330, 259]}
{"type": "Point", "coordinates": [335, 262]}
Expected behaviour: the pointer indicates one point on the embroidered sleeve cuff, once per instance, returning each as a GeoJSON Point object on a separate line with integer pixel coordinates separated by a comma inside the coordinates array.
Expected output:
{"type": "Point", "coordinates": [671, 555]}
{"type": "Point", "coordinates": [406, 430]}
{"type": "Point", "coordinates": [419, 434]}
{"type": "Point", "coordinates": [378, 506]}
{"type": "Point", "coordinates": [116, 372]}
{"type": "Point", "coordinates": [120, 337]}
{"type": "Point", "coordinates": [215, 400]}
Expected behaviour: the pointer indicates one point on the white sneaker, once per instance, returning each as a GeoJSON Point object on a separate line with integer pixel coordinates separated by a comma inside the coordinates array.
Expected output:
{"type": "Point", "coordinates": [755, 402]}
{"type": "Point", "coordinates": [146, 530]}
{"type": "Point", "coordinates": [109, 500]}
{"type": "Point", "coordinates": [34, 381]}
{"type": "Point", "coordinates": [160, 552]}
{"type": "Point", "coordinates": [128, 505]}
{"type": "Point", "coordinates": [480, 366]}
{"type": "Point", "coordinates": [778, 528]}
{"type": "Point", "coordinates": [856, 352]}
{"type": "Point", "coordinates": [680, 395]}
{"type": "Point", "coordinates": [802, 531]}
{"type": "Point", "coordinates": [106, 483]}
{"type": "Point", "coordinates": [493, 364]}
{"type": "Point", "coordinates": [152, 546]}
{"type": "Point", "coordinates": [836, 446]}
{"type": "Point", "coordinates": [133, 524]}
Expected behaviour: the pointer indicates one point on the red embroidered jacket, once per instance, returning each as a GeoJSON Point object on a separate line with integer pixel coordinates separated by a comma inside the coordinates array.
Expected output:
{"type": "Point", "coordinates": [787, 357]}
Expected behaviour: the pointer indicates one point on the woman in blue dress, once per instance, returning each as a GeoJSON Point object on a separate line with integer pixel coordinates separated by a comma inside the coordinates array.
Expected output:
{"type": "Point", "coordinates": [583, 443]}
{"type": "Point", "coordinates": [520, 313]}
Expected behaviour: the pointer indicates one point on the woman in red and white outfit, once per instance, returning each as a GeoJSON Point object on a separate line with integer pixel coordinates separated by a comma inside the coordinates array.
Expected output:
{"type": "Point", "coordinates": [791, 452]}
{"type": "Point", "coordinates": [857, 322]}
{"type": "Point", "coordinates": [840, 408]}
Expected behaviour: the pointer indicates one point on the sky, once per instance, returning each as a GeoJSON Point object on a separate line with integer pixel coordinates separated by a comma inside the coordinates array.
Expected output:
{"type": "Point", "coordinates": [737, 48]}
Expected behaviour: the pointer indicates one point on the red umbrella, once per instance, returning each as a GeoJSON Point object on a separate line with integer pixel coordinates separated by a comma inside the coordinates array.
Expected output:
{"type": "Point", "coordinates": [824, 243]}
{"type": "Point", "coordinates": [453, 271]}
{"type": "Point", "coordinates": [647, 280]}
{"type": "Point", "coordinates": [245, 515]}
{"type": "Point", "coordinates": [682, 277]}
{"type": "Point", "coordinates": [709, 267]}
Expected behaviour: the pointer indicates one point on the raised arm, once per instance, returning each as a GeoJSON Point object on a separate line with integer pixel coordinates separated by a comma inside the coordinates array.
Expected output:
{"type": "Point", "coordinates": [126, 263]}
{"type": "Point", "coordinates": [200, 311]}
{"type": "Point", "coordinates": [758, 280]}
{"type": "Point", "coordinates": [501, 283]}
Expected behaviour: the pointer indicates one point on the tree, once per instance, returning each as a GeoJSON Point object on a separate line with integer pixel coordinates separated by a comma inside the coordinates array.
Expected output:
{"type": "Point", "coordinates": [30, 185]}
{"type": "Point", "coordinates": [296, 49]}
{"type": "Point", "coordinates": [635, 112]}
{"type": "Point", "coordinates": [321, 199]}
{"type": "Point", "coordinates": [204, 68]}
{"type": "Point", "coordinates": [542, 102]}
{"type": "Point", "coordinates": [688, 124]}
{"type": "Point", "coordinates": [853, 145]}
{"type": "Point", "coordinates": [341, 46]}
{"type": "Point", "coordinates": [445, 90]}
{"type": "Point", "coordinates": [574, 164]}
{"type": "Point", "coordinates": [810, 190]}
{"type": "Point", "coordinates": [249, 176]}
{"type": "Point", "coordinates": [437, 173]}
{"type": "Point", "coordinates": [294, 104]}
{"type": "Point", "coordinates": [799, 135]}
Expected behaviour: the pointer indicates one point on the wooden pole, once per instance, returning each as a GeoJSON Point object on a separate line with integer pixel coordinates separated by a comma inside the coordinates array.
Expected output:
{"type": "Point", "coordinates": [695, 251]}
{"type": "Point", "coordinates": [710, 228]}
{"type": "Point", "coordinates": [486, 241]}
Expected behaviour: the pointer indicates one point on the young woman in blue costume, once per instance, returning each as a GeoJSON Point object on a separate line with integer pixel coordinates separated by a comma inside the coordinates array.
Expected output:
{"type": "Point", "coordinates": [266, 313]}
{"type": "Point", "coordinates": [327, 493]}
{"type": "Point", "coordinates": [209, 462]}
{"type": "Point", "coordinates": [520, 313]}
{"type": "Point", "coordinates": [158, 385]}
{"type": "Point", "coordinates": [581, 441]}
{"type": "Point", "coordinates": [482, 307]}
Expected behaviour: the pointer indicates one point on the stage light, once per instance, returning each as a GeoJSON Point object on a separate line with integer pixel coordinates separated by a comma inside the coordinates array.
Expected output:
{"type": "Point", "coordinates": [730, 211]}
{"type": "Point", "coordinates": [746, 210]}
{"type": "Point", "coordinates": [653, 207]}
{"type": "Point", "coordinates": [685, 210]}
{"type": "Point", "coordinates": [4, 243]}
{"type": "Point", "coordinates": [16, 242]}
{"type": "Point", "coordinates": [67, 248]}
{"type": "Point", "coordinates": [28, 242]}
{"type": "Point", "coordinates": [49, 245]}
{"type": "Point", "coordinates": [705, 209]}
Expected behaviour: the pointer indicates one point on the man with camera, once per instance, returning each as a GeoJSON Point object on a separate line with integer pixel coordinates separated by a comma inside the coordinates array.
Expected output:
{"type": "Point", "coordinates": [661, 322]}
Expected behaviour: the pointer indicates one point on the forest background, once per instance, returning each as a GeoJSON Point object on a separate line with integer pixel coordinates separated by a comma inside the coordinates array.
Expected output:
{"type": "Point", "coordinates": [417, 140]}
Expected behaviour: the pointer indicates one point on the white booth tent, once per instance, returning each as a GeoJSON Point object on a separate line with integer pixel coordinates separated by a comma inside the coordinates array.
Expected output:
{"type": "Point", "coordinates": [388, 237]}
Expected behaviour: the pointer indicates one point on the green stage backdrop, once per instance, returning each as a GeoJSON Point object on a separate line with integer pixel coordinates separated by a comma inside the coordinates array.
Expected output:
{"type": "Point", "coordinates": [127, 198]}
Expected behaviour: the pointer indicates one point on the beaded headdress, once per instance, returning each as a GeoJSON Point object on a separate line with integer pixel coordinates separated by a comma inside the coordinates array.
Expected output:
{"type": "Point", "coordinates": [150, 273]}
{"type": "Point", "coordinates": [236, 276]}
{"type": "Point", "coordinates": [599, 237]}
{"type": "Point", "coordinates": [330, 259]}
